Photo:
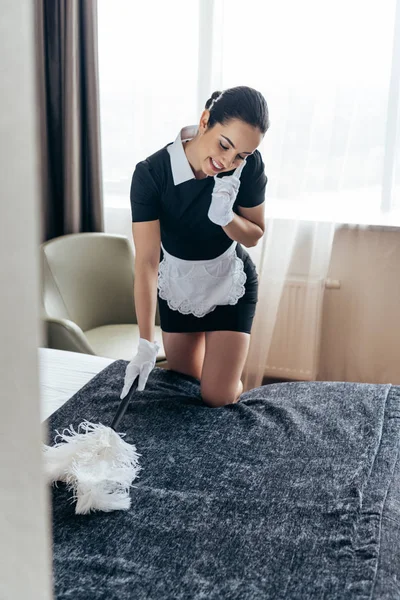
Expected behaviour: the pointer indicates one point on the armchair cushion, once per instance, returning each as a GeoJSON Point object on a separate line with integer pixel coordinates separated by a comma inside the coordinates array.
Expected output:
{"type": "Point", "coordinates": [119, 341]}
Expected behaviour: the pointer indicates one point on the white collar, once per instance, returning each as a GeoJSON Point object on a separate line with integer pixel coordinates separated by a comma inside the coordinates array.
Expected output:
{"type": "Point", "coordinates": [180, 167]}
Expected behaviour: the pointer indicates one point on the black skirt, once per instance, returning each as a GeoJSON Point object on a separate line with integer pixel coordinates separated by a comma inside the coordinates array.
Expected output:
{"type": "Point", "coordinates": [236, 317]}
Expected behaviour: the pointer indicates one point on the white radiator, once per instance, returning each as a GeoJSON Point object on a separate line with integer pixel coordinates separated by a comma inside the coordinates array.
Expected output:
{"type": "Point", "coordinates": [294, 350]}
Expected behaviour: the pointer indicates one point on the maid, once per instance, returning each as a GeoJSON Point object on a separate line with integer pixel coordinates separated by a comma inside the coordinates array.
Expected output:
{"type": "Point", "coordinates": [195, 204]}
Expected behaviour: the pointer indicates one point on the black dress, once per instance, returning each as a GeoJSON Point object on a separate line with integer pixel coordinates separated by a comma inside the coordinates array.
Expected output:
{"type": "Point", "coordinates": [188, 233]}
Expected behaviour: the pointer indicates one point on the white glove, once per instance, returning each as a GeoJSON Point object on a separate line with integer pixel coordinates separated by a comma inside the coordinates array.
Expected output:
{"type": "Point", "coordinates": [224, 196]}
{"type": "Point", "coordinates": [141, 365]}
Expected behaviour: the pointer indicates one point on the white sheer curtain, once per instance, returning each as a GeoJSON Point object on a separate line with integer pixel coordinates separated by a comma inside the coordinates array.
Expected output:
{"type": "Point", "coordinates": [330, 73]}
{"type": "Point", "coordinates": [148, 72]}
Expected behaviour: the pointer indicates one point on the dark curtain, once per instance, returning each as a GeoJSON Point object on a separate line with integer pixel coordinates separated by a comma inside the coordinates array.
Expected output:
{"type": "Point", "coordinates": [68, 99]}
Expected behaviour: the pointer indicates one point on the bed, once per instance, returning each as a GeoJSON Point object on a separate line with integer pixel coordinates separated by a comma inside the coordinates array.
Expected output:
{"type": "Point", "coordinates": [294, 492]}
{"type": "Point", "coordinates": [62, 374]}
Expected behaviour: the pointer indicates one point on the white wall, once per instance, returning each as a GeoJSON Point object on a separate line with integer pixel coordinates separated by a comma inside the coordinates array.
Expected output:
{"type": "Point", "coordinates": [24, 539]}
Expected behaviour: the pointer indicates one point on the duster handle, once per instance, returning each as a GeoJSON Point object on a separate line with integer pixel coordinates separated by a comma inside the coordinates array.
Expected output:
{"type": "Point", "coordinates": [123, 405]}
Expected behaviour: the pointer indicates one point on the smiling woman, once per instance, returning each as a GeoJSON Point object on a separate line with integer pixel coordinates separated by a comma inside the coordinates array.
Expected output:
{"type": "Point", "coordinates": [195, 203]}
{"type": "Point", "coordinates": [236, 114]}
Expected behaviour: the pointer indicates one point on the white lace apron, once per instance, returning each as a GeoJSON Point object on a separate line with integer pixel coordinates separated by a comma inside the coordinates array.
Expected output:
{"type": "Point", "coordinates": [197, 287]}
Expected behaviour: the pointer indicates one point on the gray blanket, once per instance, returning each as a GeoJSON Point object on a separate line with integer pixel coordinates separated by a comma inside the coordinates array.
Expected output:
{"type": "Point", "coordinates": [294, 492]}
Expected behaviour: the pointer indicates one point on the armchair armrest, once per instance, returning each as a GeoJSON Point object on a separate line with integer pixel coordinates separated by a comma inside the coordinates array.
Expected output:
{"type": "Point", "coordinates": [63, 334]}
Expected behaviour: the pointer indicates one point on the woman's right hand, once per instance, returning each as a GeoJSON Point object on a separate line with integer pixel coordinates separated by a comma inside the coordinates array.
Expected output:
{"type": "Point", "coordinates": [140, 366]}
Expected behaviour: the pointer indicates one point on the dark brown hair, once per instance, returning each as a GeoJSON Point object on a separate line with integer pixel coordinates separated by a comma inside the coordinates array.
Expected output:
{"type": "Point", "coordinates": [243, 103]}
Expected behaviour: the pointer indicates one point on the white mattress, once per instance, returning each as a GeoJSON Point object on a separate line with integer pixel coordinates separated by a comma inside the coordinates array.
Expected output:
{"type": "Point", "coordinates": [62, 374]}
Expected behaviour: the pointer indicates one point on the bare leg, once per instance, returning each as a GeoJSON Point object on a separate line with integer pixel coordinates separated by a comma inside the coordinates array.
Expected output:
{"type": "Point", "coordinates": [225, 356]}
{"type": "Point", "coordinates": [239, 390]}
{"type": "Point", "coordinates": [185, 352]}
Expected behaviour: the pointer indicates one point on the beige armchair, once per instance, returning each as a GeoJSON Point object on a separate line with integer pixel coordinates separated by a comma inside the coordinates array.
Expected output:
{"type": "Point", "coordinates": [87, 295]}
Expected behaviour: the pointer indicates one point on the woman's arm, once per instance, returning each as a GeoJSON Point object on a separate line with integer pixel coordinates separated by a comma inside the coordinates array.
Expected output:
{"type": "Point", "coordinates": [248, 227]}
{"type": "Point", "coordinates": [147, 240]}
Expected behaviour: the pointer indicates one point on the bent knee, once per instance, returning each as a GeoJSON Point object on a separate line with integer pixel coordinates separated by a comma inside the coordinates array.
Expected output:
{"type": "Point", "coordinates": [215, 401]}
{"type": "Point", "coordinates": [214, 397]}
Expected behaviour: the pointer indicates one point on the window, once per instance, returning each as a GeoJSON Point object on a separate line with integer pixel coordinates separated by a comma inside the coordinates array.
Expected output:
{"type": "Point", "coordinates": [148, 59]}
{"type": "Point", "coordinates": [325, 68]}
